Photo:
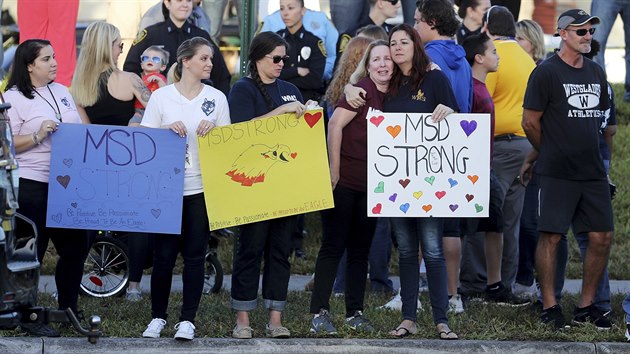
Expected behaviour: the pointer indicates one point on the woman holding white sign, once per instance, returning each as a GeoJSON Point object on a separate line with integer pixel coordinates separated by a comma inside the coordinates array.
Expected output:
{"type": "Point", "coordinates": [261, 94]}
{"type": "Point", "coordinates": [189, 108]}
{"type": "Point", "coordinates": [38, 106]}
{"type": "Point", "coordinates": [346, 227]}
{"type": "Point", "coordinates": [416, 88]}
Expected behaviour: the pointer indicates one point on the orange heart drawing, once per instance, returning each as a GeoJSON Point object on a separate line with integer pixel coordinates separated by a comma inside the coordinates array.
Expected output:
{"type": "Point", "coordinates": [312, 119]}
{"type": "Point", "coordinates": [377, 120]}
{"type": "Point", "coordinates": [377, 209]}
{"type": "Point", "coordinates": [440, 194]}
{"type": "Point", "coordinates": [473, 178]}
{"type": "Point", "coordinates": [394, 130]}
{"type": "Point", "coordinates": [293, 155]}
{"type": "Point", "coordinates": [427, 207]}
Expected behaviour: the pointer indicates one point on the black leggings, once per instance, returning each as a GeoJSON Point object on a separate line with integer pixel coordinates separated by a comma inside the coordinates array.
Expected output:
{"type": "Point", "coordinates": [72, 245]}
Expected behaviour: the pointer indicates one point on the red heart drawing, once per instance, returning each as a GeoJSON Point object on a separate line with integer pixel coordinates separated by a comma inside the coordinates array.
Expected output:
{"type": "Point", "coordinates": [293, 155]}
{"type": "Point", "coordinates": [440, 194]}
{"type": "Point", "coordinates": [377, 120]}
{"type": "Point", "coordinates": [469, 197]}
{"type": "Point", "coordinates": [404, 182]}
{"type": "Point", "coordinates": [312, 119]}
{"type": "Point", "coordinates": [377, 209]}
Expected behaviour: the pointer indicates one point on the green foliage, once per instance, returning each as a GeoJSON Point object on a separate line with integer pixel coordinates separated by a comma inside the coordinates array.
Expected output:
{"type": "Point", "coordinates": [623, 108]}
{"type": "Point", "coordinates": [216, 319]}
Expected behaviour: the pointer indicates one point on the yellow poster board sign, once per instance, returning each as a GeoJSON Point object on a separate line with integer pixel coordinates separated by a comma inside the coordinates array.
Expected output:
{"type": "Point", "coordinates": [265, 169]}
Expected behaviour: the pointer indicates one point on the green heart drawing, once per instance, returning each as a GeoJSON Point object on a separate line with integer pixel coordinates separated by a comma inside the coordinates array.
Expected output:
{"type": "Point", "coordinates": [380, 188]}
{"type": "Point", "coordinates": [478, 208]}
{"type": "Point", "coordinates": [430, 180]}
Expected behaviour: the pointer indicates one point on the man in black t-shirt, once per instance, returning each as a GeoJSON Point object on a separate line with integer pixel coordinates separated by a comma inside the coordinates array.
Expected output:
{"type": "Point", "coordinates": [565, 99]}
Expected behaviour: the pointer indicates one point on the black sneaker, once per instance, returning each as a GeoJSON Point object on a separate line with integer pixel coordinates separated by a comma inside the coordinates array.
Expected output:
{"type": "Point", "coordinates": [628, 332]}
{"type": "Point", "coordinates": [591, 314]}
{"type": "Point", "coordinates": [554, 316]}
{"type": "Point", "coordinates": [39, 329]}
{"type": "Point", "coordinates": [504, 296]}
{"type": "Point", "coordinates": [359, 323]}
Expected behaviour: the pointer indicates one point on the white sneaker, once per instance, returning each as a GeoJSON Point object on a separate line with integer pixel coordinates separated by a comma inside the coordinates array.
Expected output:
{"type": "Point", "coordinates": [455, 304]}
{"type": "Point", "coordinates": [185, 330]}
{"type": "Point", "coordinates": [521, 290]}
{"type": "Point", "coordinates": [395, 303]}
{"type": "Point", "coordinates": [154, 328]}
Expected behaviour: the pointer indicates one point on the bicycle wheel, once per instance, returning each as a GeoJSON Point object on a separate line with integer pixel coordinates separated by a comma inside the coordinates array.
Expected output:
{"type": "Point", "coordinates": [213, 278]}
{"type": "Point", "coordinates": [106, 269]}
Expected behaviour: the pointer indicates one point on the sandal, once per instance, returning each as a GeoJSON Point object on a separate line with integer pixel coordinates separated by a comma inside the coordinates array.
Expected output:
{"type": "Point", "coordinates": [406, 332]}
{"type": "Point", "coordinates": [445, 333]}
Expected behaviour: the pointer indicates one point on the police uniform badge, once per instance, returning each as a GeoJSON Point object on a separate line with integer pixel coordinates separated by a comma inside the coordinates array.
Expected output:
{"type": "Point", "coordinates": [142, 35]}
{"type": "Point", "coordinates": [343, 42]}
{"type": "Point", "coordinates": [305, 52]}
{"type": "Point", "coordinates": [207, 106]}
{"type": "Point", "coordinates": [322, 47]}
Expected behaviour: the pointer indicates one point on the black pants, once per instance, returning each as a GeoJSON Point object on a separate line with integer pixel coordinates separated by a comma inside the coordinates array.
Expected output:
{"type": "Point", "coordinates": [345, 227]}
{"type": "Point", "coordinates": [192, 243]}
{"type": "Point", "coordinates": [72, 245]}
{"type": "Point", "coordinates": [268, 240]}
{"type": "Point", "coordinates": [140, 246]}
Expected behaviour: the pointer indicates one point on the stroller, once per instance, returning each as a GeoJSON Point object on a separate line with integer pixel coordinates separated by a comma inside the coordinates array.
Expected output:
{"type": "Point", "coordinates": [19, 266]}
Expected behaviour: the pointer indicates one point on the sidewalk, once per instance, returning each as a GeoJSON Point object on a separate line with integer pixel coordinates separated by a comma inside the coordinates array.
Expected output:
{"type": "Point", "coordinates": [297, 282]}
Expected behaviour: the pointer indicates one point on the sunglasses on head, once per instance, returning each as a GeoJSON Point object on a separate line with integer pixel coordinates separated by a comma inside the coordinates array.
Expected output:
{"type": "Point", "coordinates": [156, 60]}
{"type": "Point", "coordinates": [582, 31]}
{"type": "Point", "coordinates": [277, 58]}
{"type": "Point", "coordinates": [393, 2]}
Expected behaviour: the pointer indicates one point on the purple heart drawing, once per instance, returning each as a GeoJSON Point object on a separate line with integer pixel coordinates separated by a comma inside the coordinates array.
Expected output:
{"type": "Point", "coordinates": [156, 213]}
{"type": "Point", "coordinates": [176, 170]}
{"type": "Point", "coordinates": [393, 197]}
{"type": "Point", "coordinates": [453, 207]}
{"type": "Point", "coordinates": [468, 127]}
{"type": "Point", "coordinates": [64, 181]}
{"type": "Point", "coordinates": [67, 162]}
{"type": "Point", "coordinates": [56, 218]}
{"type": "Point", "coordinates": [74, 204]}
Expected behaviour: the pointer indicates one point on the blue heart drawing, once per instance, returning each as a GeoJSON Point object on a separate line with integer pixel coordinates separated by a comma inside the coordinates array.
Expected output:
{"type": "Point", "coordinates": [404, 208]}
{"type": "Point", "coordinates": [452, 182]}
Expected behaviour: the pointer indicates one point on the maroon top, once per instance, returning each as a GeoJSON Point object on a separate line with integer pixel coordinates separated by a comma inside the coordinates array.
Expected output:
{"type": "Point", "coordinates": [482, 103]}
{"type": "Point", "coordinates": [353, 162]}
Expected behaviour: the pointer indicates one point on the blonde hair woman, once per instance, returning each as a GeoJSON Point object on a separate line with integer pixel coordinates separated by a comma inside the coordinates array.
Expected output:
{"type": "Point", "coordinates": [530, 36]}
{"type": "Point", "coordinates": [103, 93]}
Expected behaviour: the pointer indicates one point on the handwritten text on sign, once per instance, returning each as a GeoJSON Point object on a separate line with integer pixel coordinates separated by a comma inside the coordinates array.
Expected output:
{"type": "Point", "coordinates": [116, 178]}
{"type": "Point", "coordinates": [265, 169]}
{"type": "Point", "coordinates": [420, 168]}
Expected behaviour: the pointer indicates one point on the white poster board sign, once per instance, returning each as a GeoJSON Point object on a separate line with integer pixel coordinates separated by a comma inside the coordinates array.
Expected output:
{"type": "Point", "coordinates": [418, 168]}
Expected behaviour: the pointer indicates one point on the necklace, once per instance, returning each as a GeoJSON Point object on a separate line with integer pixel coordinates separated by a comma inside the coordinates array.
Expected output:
{"type": "Point", "coordinates": [57, 111]}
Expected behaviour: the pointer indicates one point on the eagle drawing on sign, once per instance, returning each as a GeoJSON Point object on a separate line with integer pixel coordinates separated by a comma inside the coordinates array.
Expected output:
{"type": "Point", "coordinates": [252, 165]}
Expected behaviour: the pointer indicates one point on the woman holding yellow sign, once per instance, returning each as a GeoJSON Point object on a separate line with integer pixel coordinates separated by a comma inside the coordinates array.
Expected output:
{"type": "Point", "coordinates": [261, 94]}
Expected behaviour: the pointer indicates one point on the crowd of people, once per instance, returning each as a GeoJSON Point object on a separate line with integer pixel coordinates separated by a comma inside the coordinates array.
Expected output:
{"type": "Point", "coordinates": [541, 182]}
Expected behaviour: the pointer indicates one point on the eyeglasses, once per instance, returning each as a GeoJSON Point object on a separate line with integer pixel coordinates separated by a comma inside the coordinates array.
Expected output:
{"type": "Point", "coordinates": [582, 31]}
{"type": "Point", "coordinates": [156, 60]}
{"type": "Point", "coordinates": [393, 2]}
{"type": "Point", "coordinates": [277, 58]}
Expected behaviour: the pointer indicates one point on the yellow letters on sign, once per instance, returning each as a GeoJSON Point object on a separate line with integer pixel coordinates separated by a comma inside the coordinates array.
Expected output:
{"type": "Point", "coordinates": [265, 169]}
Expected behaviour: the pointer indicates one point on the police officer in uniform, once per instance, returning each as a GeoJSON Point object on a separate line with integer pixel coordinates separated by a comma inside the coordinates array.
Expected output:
{"type": "Point", "coordinates": [307, 56]}
{"type": "Point", "coordinates": [170, 34]}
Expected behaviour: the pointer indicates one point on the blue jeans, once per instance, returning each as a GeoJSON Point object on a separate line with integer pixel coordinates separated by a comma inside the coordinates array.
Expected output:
{"type": "Point", "coordinates": [528, 234]}
{"type": "Point", "coordinates": [428, 232]}
{"type": "Point", "coordinates": [607, 11]}
{"type": "Point", "coordinates": [626, 308]}
{"type": "Point", "coordinates": [602, 296]}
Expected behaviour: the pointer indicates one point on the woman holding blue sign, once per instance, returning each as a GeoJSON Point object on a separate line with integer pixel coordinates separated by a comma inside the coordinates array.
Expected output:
{"type": "Point", "coordinates": [38, 106]}
{"type": "Point", "coordinates": [189, 108]}
{"type": "Point", "coordinates": [261, 94]}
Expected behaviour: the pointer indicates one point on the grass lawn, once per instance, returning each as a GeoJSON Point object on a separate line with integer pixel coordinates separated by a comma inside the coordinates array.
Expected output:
{"type": "Point", "coordinates": [478, 322]}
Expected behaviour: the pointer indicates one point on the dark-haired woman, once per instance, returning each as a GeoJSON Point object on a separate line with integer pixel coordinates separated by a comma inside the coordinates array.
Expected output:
{"type": "Point", "coordinates": [183, 108]}
{"type": "Point", "coordinates": [258, 95]}
{"type": "Point", "coordinates": [38, 106]}
{"type": "Point", "coordinates": [471, 12]}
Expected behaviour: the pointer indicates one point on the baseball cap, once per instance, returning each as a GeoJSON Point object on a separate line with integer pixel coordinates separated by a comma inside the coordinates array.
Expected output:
{"type": "Point", "coordinates": [575, 17]}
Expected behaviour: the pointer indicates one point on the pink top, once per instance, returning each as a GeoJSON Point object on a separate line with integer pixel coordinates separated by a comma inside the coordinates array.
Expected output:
{"type": "Point", "coordinates": [26, 116]}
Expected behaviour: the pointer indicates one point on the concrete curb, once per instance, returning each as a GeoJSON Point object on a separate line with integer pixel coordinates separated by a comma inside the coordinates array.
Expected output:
{"type": "Point", "coordinates": [302, 345]}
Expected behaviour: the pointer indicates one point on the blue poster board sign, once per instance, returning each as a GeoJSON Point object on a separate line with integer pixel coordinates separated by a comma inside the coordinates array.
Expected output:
{"type": "Point", "coordinates": [116, 178]}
